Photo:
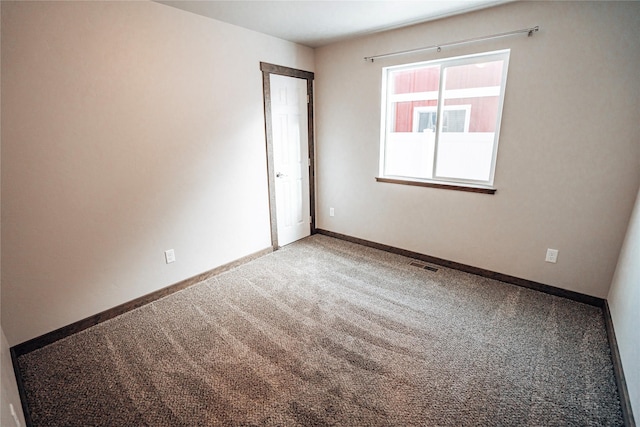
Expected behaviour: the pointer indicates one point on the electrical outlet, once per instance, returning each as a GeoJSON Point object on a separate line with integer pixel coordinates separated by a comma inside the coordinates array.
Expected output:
{"type": "Point", "coordinates": [170, 256]}
{"type": "Point", "coordinates": [552, 256]}
{"type": "Point", "coordinates": [332, 212]}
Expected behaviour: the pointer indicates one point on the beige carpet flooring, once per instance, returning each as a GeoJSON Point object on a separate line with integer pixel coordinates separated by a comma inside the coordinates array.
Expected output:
{"type": "Point", "coordinates": [329, 333]}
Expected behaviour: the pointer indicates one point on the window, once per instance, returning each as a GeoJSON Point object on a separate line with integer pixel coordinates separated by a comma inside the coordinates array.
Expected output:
{"type": "Point", "coordinates": [441, 120]}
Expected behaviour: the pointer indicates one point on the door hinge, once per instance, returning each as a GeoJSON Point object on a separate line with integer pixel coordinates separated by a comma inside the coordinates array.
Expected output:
{"type": "Point", "coordinates": [310, 219]}
{"type": "Point", "coordinates": [309, 162]}
{"type": "Point", "coordinates": [308, 98]}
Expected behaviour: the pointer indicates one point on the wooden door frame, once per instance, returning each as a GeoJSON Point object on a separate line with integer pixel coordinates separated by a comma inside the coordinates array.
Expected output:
{"type": "Point", "coordinates": [268, 69]}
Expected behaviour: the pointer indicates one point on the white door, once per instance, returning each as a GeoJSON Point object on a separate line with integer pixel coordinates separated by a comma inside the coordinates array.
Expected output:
{"type": "Point", "coordinates": [291, 157]}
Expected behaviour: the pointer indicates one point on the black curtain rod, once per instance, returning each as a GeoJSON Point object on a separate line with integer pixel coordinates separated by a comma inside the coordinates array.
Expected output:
{"type": "Point", "coordinates": [528, 31]}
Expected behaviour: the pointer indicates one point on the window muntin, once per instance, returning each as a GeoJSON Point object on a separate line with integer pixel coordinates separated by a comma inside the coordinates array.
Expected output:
{"type": "Point", "coordinates": [441, 119]}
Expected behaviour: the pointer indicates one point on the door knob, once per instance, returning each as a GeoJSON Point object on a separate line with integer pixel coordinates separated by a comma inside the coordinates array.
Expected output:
{"type": "Point", "coordinates": [280, 175]}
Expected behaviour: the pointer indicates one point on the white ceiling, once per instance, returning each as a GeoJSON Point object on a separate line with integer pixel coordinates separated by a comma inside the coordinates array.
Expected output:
{"type": "Point", "coordinates": [316, 23]}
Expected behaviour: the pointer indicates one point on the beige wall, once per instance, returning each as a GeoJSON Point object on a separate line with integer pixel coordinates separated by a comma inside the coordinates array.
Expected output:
{"type": "Point", "coordinates": [624, 303]}
{"type": "Point", "coordinates": [128, 128]}
{"type": "Point", "coordinates": [9, 395]}
{"type": "Point", "coordinates": [569, 156]}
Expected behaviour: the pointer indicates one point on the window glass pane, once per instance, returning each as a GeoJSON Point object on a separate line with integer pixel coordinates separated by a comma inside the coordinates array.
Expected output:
{"type": "Point", "coordinates": [415, 80]}
{"type": "Point", "coordinates": [470, 116]}
{"type": "Point", "coordinates": [402, 117]}
{"type": "Point", "coordinates": [411, 121]}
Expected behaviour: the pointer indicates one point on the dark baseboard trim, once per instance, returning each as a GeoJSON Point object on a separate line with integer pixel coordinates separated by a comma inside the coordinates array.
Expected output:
{"type": "Point", "coordinates": [20, 384]}
{"type": "Point", "coordinates": [552, 290]}
{"type": "Point", "coordinates": [623, 392]}
{"type": "Point", "coordinates": [65, 331]}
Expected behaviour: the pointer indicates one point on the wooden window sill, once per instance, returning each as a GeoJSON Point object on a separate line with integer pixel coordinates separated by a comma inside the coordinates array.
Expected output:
{"type": "Point", "coordinates": [482, 190]}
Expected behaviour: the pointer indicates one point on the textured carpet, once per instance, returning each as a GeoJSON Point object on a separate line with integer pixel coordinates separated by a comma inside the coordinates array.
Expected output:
{"type": "Point", "coordinates": [329, 333]}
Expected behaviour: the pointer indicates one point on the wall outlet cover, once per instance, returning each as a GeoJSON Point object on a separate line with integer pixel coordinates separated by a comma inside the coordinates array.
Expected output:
{"type": "Point", "coordinates": [552, 256]}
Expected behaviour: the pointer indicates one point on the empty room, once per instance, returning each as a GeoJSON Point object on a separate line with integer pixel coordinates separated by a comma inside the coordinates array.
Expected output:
{"type": "Point", "coordinates": [320, 213]}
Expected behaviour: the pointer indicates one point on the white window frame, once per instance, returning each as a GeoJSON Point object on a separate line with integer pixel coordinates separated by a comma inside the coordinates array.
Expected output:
{"type": "Point", "coordinates": [387, 116]}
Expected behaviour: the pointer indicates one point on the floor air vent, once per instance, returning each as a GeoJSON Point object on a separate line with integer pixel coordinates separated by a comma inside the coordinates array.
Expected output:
{"type": "Point", "coordinates": [423, 266]}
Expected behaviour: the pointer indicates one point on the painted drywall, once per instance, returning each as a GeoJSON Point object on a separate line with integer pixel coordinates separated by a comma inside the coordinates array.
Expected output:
{"type": "Point", "coordinates": [624, 303]}
{"type": "Point", "coordinates": [9, 395]}
{"type": "Point", "coordinates": [129, 128]}
{"type": "Point", "coordinates": [569, 155]}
